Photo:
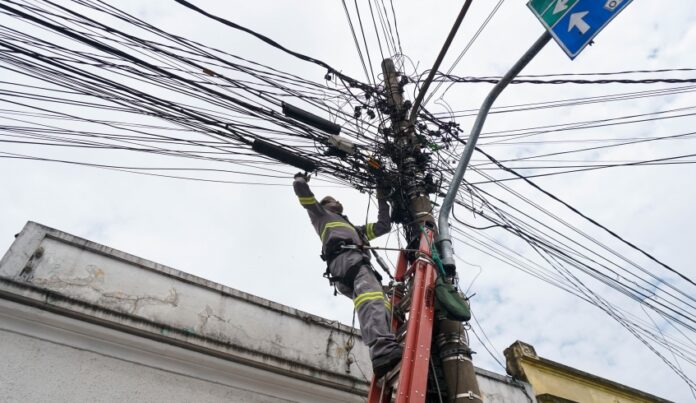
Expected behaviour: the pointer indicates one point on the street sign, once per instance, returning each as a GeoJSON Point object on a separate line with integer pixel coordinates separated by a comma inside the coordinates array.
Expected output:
{"type": "Point", "coordinates": [550, 11]}
{"type": "Point", "coordinates": [574, 23]}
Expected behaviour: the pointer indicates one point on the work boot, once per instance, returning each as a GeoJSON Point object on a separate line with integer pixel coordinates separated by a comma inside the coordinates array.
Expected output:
{"type": "Point", "coordinates": [383, 364]}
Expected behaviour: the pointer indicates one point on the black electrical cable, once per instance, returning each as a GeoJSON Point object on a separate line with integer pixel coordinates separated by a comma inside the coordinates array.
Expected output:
{"type": "Point", "coordinates": [270, 42]}
{"type": "Point", "coordinates": [453, 79]}
{"type": "Point", "coordinates": [586, 217]}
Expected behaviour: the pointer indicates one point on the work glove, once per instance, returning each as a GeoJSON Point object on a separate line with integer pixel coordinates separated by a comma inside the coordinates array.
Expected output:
{"type": "Point", "coordinates": [302, 175]}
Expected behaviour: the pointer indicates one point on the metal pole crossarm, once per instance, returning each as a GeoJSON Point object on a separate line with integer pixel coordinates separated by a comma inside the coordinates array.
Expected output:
{"type": "Point", "coordinates": [444, 239]}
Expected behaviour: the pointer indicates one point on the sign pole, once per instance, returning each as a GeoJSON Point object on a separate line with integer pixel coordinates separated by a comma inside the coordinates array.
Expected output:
{"type": "Point", "coordinates": [573, 24]}
{"type": "Point", "coordinates": [444, 239]}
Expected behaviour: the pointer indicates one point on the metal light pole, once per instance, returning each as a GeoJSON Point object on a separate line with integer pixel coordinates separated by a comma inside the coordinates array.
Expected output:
{"type": "Point", "coordinates": [444, 239]}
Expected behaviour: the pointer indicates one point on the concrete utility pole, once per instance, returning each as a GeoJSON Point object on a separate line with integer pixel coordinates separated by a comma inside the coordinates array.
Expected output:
{"type": "Point", "coordinates": [449, 337]}
{"type": "Point", "coordinates": [408, 148]}
{"type": "Point", "coordinates": [450, 344]}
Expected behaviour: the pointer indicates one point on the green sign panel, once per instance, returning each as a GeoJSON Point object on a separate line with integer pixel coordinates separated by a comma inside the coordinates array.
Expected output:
{"type": "Point", "coordinates": [550, 11]}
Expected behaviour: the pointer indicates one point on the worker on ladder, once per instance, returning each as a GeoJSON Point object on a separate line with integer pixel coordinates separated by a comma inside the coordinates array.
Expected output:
{"type": "Point", "coordinates": [349, 269]}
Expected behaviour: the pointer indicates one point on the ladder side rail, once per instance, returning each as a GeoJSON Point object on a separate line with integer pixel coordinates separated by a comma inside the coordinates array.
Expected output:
{"type": "Point", "coordinates": [376, 388]}
{"type": "Point", "coordinates": [413, 379]}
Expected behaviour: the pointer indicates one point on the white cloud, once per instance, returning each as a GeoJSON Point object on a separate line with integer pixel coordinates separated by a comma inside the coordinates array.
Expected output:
{"type": "Point", "coordinates": [258, 239]}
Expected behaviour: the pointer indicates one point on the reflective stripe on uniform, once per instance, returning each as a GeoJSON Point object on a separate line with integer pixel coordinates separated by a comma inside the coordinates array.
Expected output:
{"type": "Point", "coordinates": [334, 224]}
{"type": "Point", "coordinates": [370, 231]}
{"type": "Point", "coordinates": [367, 296]}
{"type": "Point", "coordinates": [307, 200]}
{"type": "Point", "coordinates": [387, 304]}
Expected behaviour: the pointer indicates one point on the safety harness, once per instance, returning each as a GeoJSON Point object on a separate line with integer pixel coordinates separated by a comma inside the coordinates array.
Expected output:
{"type": "Point", "coordinates": [336, 247]}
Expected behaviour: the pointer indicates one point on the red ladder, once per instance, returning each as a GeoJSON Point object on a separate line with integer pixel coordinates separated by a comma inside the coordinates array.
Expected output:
{"type": "Point", "coordinates": [411, 379]}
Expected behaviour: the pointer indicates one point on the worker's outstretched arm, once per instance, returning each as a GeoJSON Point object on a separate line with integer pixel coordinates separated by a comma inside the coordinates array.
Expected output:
{"type": "Point", "coordinates": [306, 197]}
{"type": "Point", "coordinates": [383, 224]}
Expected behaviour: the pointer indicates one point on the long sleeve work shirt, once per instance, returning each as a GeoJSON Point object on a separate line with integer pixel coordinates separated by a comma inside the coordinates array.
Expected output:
{"type": "Point", "coordinates": [332, 227]}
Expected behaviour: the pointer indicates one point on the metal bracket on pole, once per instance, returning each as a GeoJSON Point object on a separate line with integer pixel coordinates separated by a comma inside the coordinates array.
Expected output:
{"type": "Point", "coordinates": [444, 239]}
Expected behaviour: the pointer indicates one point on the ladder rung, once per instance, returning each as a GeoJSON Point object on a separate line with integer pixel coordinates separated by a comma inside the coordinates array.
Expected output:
{"type": "Point", "coordinates": [390, 378]}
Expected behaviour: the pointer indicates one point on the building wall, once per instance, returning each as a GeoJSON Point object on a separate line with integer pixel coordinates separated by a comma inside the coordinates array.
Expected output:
{"type": "Point", "coordinates": [50, 358]}
{"type": "Point", "coordinates": [82, 322]}
{"type": "Point", "coordinates": [558, 383]}
{"type": "Point", "coordinates": [496, 388]}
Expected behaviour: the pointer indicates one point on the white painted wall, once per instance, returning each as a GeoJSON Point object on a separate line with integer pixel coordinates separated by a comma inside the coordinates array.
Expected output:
{"type": "Point", "coordinates": [47, 357]}
{"type": "Point", "coordinates": [83, 322]}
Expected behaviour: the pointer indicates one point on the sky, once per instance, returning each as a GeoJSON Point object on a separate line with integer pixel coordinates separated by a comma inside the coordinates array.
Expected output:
{"type": "Point", "coordinates": [258, 239]}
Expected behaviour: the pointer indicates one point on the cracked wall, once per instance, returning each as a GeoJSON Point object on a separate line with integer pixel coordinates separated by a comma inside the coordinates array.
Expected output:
{"type": "Point", "coordinates": [185, 307]}
{"type": "Point", "coordinates": [177, 322]}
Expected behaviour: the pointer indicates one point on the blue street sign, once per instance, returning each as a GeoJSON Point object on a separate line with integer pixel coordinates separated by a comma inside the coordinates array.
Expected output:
{"type": "Point", "coordinates": [581, 21]}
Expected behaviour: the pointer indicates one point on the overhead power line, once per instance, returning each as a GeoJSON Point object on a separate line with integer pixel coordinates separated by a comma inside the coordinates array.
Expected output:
{"type": "Point", "coordinates": [581, 214]}
{"type": "Point", "coordinates": [494, 80]}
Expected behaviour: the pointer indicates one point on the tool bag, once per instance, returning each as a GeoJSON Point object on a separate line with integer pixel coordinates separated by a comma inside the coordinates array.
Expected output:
{"type": "Point", "coordinates": [451, 301]}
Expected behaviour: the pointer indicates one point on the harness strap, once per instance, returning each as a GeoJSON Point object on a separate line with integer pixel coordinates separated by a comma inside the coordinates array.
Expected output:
{"type": "Point", "coordinates": [333, 249]}
{"type": "Point", "coordinates": [349, 277]}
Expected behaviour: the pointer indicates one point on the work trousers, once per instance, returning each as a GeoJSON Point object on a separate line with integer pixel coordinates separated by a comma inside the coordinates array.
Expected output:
{"type": "Point", "coordinates": [370, 303]}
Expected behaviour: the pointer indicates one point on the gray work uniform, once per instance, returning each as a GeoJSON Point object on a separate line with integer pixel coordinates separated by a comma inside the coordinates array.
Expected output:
{"type": "Point", "coordinates": [366, 291]}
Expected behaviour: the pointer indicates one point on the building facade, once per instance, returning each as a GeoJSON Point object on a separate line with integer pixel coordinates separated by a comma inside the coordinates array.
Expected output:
{"type": "Point", "coordinates": [557, 383]}
{"type": "Point", "coordinates": [81, 321]}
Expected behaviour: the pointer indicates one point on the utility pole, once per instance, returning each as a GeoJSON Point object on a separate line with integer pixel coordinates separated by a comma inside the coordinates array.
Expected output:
{"type": "Point", "coordinates": [408, 150]}
{"type": "Point", "coordinates": [449, 344]}
{"type": "Point", "coordinates": [449, 339]}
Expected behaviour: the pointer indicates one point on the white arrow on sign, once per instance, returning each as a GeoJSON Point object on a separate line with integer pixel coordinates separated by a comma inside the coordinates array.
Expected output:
{"type": "Point", "coordinates": [561, 5]}
{"type": "Point", "coordinates": [576, 21]}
